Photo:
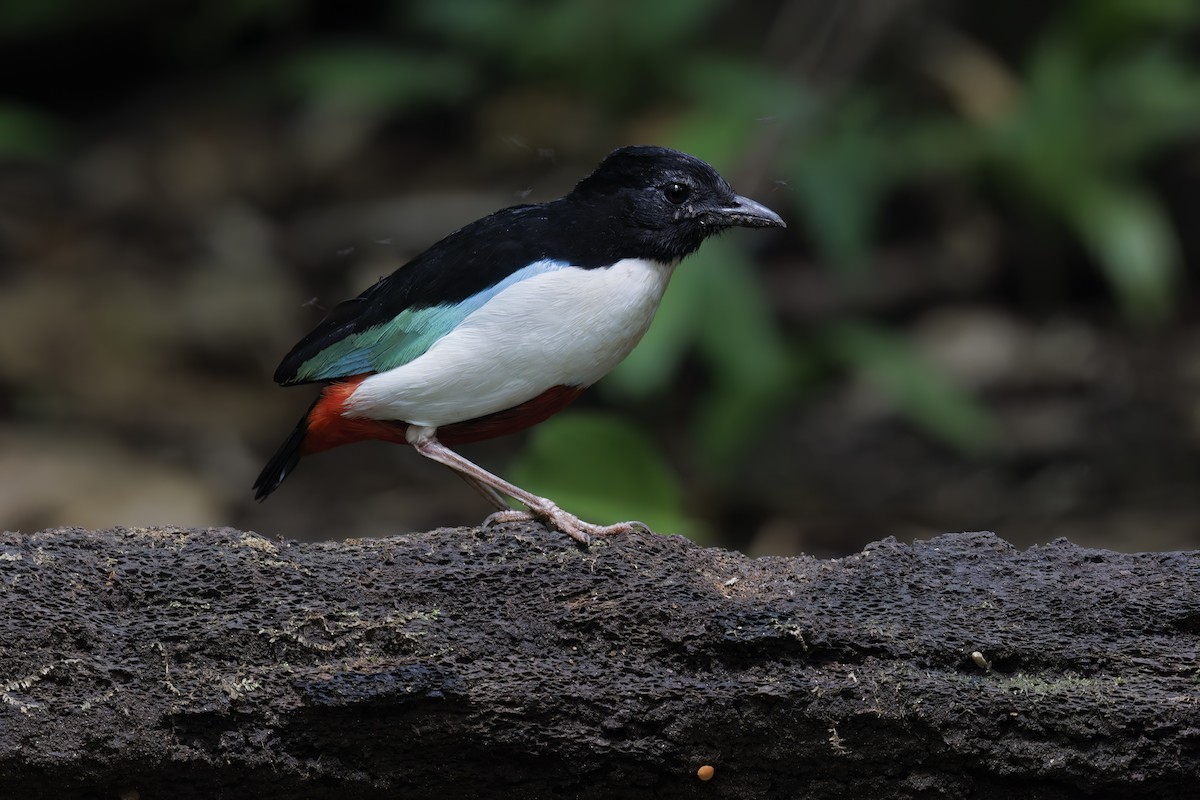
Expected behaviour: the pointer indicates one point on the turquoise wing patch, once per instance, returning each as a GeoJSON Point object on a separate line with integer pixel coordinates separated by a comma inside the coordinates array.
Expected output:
{"type": "Point", "coordinates": [408, 335]}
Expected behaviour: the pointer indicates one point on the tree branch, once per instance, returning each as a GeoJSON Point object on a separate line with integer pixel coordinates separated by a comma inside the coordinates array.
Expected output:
{"type": "Point", "coordinates": [201, 664]}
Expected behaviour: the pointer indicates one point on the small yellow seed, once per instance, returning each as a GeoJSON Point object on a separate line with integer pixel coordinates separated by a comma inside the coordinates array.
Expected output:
{"type": "Point", "coordinates": [705, 773]}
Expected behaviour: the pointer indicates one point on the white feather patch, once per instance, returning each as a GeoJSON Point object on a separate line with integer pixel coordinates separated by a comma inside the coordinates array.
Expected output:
{"type": "Point", "coordinates": [567, 327]}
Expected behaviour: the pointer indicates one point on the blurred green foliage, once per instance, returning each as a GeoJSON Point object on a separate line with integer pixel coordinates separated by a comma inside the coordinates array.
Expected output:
{"type": "Point", "coordinates": [1072, 145]}
{"type": "Point", "coordinates": [917, 388]}
{"type": "Point", "coordinates": [1064, 129]}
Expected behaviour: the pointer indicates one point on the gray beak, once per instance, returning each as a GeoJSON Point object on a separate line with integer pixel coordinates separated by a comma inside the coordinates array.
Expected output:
{"type": "Point", "coordinates": [750, 214]}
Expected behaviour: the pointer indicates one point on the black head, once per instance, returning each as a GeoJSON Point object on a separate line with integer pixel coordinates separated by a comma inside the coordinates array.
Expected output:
{"type": "Point", "coordinates": [664, 201]}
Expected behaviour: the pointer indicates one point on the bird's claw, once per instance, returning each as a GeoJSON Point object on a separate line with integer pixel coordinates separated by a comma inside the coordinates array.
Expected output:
{"type": "Point", "coordinates": [555, 518]}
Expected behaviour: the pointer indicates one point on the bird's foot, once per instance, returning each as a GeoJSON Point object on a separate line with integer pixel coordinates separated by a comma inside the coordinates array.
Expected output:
{"type": "Point", "coordinates": [554, 517]}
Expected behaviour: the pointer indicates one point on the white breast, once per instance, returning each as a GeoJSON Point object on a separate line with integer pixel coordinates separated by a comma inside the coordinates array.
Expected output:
{"type": "Point", "coordinates": [567, 327]}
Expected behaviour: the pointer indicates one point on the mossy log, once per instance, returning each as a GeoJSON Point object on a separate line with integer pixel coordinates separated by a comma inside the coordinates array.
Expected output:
{"type": "Point", "coordinates": [514, 663]}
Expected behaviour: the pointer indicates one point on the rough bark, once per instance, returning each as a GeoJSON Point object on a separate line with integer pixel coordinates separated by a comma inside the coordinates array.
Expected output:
{"type": "Point", "coordinates": [462, 663]}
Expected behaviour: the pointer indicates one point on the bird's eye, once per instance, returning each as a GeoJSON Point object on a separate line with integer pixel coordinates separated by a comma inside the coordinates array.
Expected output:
{"type": "Point", "coordinates": [677, 192]}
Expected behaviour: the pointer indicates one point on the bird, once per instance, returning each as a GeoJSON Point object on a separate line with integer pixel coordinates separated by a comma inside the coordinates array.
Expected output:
{"type": "Point", "coordinates": [505, 321]}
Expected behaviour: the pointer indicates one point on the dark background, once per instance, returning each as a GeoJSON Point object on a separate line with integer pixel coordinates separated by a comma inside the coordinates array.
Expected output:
{"type": "Point", "coordinates": [982, 315]}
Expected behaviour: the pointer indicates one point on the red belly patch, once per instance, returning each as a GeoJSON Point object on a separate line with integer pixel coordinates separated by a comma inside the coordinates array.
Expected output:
{"type": "Point", "coordinates": [511, 420]}
{"type": "Point", "coordinates": [328, 428]}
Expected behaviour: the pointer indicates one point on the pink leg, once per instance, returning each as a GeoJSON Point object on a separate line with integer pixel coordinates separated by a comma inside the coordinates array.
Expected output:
{"type": "Point", "coordinates": [492, 486]}
{"type": "Point", "coordinates": [489, 494]}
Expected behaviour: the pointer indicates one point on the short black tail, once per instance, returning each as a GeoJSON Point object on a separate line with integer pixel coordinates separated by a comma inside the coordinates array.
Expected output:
{"type": "Point", "coordinates": [282, 463]}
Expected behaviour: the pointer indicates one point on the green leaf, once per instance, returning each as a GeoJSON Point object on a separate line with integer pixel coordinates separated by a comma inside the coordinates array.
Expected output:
{"type": "Point", "coordinates": [1046, 147]}
{"type": "Point", "coordinates": [1130, 236]}
{"type": "Point", "coordinates": [919, 391]}
{"type": "Point", "coordinates": [603, 470]}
